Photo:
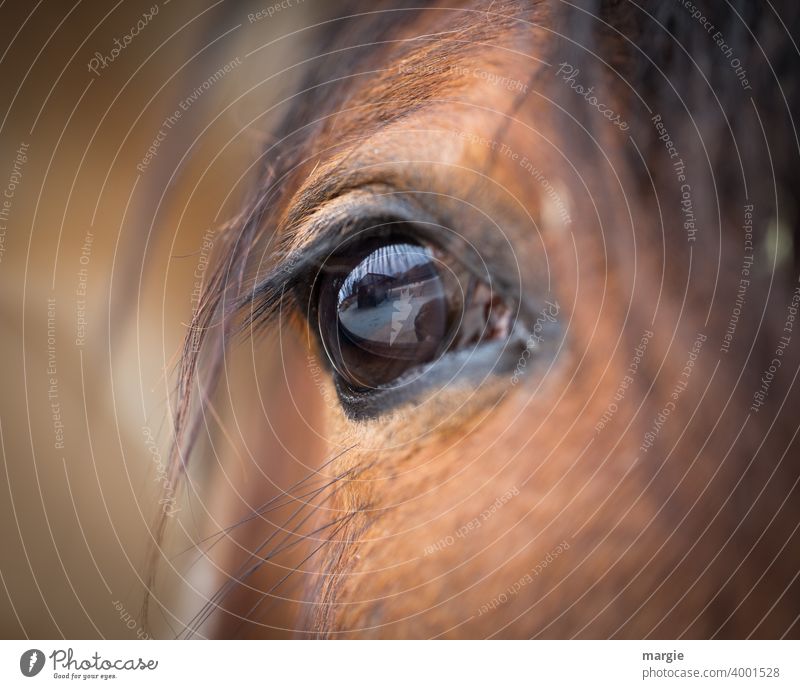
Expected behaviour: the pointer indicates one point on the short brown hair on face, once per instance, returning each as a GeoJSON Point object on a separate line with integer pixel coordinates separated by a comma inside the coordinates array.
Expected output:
{"type": "Point", "coordinates": [681, 511]}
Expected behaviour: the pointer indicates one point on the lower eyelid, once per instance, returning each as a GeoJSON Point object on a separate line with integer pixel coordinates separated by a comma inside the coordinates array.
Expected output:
{"type": "Point", "coordinates": [456, 374]}
{"type": "Point", "coordinates": [362, 370]}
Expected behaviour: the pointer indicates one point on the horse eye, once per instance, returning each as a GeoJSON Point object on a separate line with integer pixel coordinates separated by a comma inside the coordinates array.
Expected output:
{"type": "Point", "coordinates": [388, 306]}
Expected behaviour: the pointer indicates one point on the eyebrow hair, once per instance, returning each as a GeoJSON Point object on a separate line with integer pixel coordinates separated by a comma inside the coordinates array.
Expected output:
{"type": "Point", "coordinates": [226, 296]}
{"type": "Point", "coordinates": [383, 101]}
{"type": "Point", "coordinates": [328, 228]}
{"type": "Point", "coordinates": [330, 208]}
{"type": "Point", "coordinates": [264, 302]}
{"type": "Point", "coordinates": [316, 218]}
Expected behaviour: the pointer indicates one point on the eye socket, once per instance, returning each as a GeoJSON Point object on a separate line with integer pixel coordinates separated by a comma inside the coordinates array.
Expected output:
{"type": "Point", "coordinates": [388, 304]}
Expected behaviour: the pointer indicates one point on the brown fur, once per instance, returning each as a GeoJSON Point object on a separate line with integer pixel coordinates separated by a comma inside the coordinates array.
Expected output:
{"type": "Point", "coordinates": [696, 537]}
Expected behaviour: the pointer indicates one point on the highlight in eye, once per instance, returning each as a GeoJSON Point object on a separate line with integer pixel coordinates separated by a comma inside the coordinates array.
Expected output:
{"type": "Point", "coordinates": [387, 306]}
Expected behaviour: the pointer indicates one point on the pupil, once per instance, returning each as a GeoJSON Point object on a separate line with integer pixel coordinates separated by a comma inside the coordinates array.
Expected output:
{"type": "Point", "coordinates": [391, 313]}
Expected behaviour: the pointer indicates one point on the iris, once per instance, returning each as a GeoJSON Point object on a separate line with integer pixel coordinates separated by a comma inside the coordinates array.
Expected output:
{"type": "Point", "coordinates": [390, 305]}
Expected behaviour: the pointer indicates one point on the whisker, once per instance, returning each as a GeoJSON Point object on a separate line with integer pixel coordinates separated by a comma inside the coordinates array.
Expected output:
{"type": "Point", "coordinates": [216, 600]}
{"type": "Point", "coordinates": [267, 506]}
{"type": "Point", "coordinates": [247, 569]}
{"type": "Point", "coordinates": [221, 534]}
{"type": "Point", "coordinates": [269, 593]}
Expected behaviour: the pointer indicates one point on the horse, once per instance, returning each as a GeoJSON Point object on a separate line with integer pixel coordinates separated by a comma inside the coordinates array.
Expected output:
{"type": "Point", "coordinates": [601, 443]}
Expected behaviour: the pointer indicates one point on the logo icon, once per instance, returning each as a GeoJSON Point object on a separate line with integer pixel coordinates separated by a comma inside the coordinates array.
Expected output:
{"type": "Point", "coordinates": [31, 662]}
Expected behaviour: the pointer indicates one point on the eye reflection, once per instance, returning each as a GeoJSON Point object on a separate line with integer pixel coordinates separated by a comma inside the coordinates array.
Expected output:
{"type": "Point", "coordinates": [387, 305]}
{"type": "Point", "coordinates": [392, 309]}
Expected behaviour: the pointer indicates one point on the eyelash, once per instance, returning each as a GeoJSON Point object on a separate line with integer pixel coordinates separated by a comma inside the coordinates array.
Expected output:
{"type": "Point", "coordinates": [280, 294]}
{"type": "Point", "coordinates": [291, 289]}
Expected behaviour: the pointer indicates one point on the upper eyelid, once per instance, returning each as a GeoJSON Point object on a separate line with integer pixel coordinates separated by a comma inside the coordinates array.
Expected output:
{"type": "Point", "coordinates": [318, 236]}
{"type": "Point", "coordinates": [310, 243]}
{"type": "Point", "coordinates": [314, 238]}
{"type": "Point", "coordinates": [331, 220]}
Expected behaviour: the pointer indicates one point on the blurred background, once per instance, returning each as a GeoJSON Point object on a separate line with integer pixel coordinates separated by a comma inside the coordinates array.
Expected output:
{"type": "Point", "coordinates": [129, 133]}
